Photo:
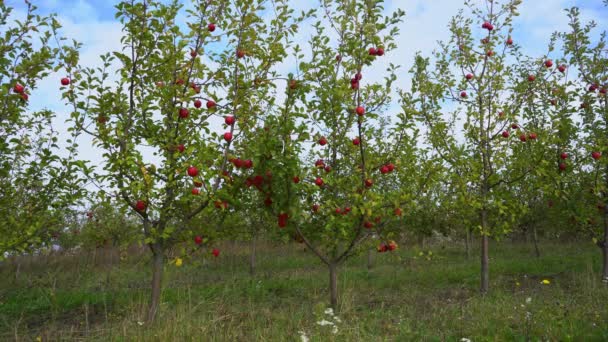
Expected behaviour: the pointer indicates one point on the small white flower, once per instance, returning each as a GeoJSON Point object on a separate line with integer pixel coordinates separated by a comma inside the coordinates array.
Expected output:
{"type": "Point", "coordinates": [140, 323]}
{"type": "Point", "coordinates": [337, 319]}
{"type": "Point", "coordinates": [324, 322]}
{"type": "Point", "coordinates": [303, 337]}
{"type": "Point", "coordinates": [528, 300]}
{"type": "Point", "coordinates": [464, 339]}
{"type": "Point", "coordinates": [334, 330]}
{"type": "Point", "coordinates": [329, 311]}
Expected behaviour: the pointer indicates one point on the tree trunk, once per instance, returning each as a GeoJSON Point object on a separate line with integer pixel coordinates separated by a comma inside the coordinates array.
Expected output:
{"type": "Point", "coordinates": [467, 243]}
{"type": "Point", "coordinates": [157, 274]}
{"type": "Point", "coordinates": [252, 257]}
{"type": "Point", "coordinates": [369, 259]}
{"type": "Point", "coordinates": [485, 262]}
{"type": "Point", "coordinates": [535, 238]}
{"type": "Point", "coordinates": [605, 246]}
{"type": "Point", "coordinates": [333, 286]}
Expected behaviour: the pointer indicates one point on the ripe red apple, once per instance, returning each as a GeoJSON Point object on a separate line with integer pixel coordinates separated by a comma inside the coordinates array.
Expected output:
{"type": "Point", "coordinates": [522, 138]}
{"type": "Point", "coordinates": [228, 136]}
{"type": "Point", "coordinates": [320, 163]}
{"type": "Point", "coordinates": [603, 91]}
{"type": "Point", "coordinates": [509, 41]}
{"type": "Point", "coordinates": [532, 136]}
{"type": "Point", "coordinates": [561, 68]}
{"type": "Point", "coordinates": [338, 211]}
{"type": "Point", "coordinates": [210, 104]}
{"type": "Point", "coordinates": [548, 63]}
{"type": "Point", "coordinates": [198, 184]}
{"type": "Point", "coordinates": [323, 141]}
{"type": "Point", "coordinates": [501, 115]}
{"type": "Point", "coordinates": [195, 191]}
{"type": "Point", "coordinates": [490, 53]}
{"type": "Point", "coordinates": [183, 113]}
{"type": "Point", "coordinates": [485, 41]}
{"type": "Point", "coordinates": [368, 225]}
{"type": "Point", "coordinates": [179, 81]}
{"type": "Point", "coordinates": [392, 245]}
{"type": "Point", "coordinates": [469, 76]}
{"type": "Point", "coordinates": [248, 164]}
{"type": "Point", "coordinates": [215, 252]}
{"type": "Point", "coordinates": [65, 81]}
{"type": "Point", "coordinates": [358, 76]}
{"type": "Point", "coordinates": [283, 219]}
{"type": "Point", "coordinates": [486, 25]}
{"type": "Point", "coordinates": [384, 170]}
{"type": "Point", "coordinates": [18, 88]}
{"type": "Point", "coordinates": [398, 212]}
{"type": "Point", "coordinates": [596, 155]}
{"type": "Point", "coordinates": [356, 141]}
{"type": "Point", "coordinates": [328, 169]}
{"type": "Point", "coordinates": [319, 181]}
{"type": "Point", "coordinates": [593, 88]}
{"type": "Point", "coordinates": [514, 126]}
{"type": "Point", "coordinates": [338, 58]}
{"type": "Point", "coordinates": [140, 205]}
{"type": "Point", "coordinates": [382, 248]}
{"type": "Point", "coordinates": [181, 148]}
{"type": "Point", "coordinates": [505, 134]}
{"type": "Point", "coordinates": [293, 84]}
{"type": "Point", "coordinates": [198, 239]}
{"type": "Point", "coordinates": [379, 52]}
{"type": "Point", "coordinates": [391, 167]}
{"type": "Point", "coordinates": [296, 179]}
{"type": "Point", "coordinates": [24, 96]}
{"type": "Point", "coordinates": [240, 53]}
{"type": "Point", "coordinates": [531, 78]}
{"type": "Point", "coordinates": [315, 208]}
{"type": "Point", "coordinates": [211, 27]}
{"type": "Point", "coordinates": [354, 84]}
{"type": "Point", "coordinates": [372, 51]}
{"type": "Point", "coordinates": [369, 183]}
{"type": "Point", "coordinates": [463, 94]}
{"type": "Point", "coordinates": [562, 166]}
{"type": "Point", "coordinates": [564, 155]}
{"type": "Point", "coordinates": [229, 120]}
{"type": "Point", "coordinates": [198, 104]}
{"type": "Point", "coordinates": [553, 102]}
{"type": "Point", "coordinates": [360, 111]}
{"type": "Point", "coordinates": [268, 201]}
{"type": "Point", "coordinates": [192, 171]}
{"type": "Point", "coordinates": [193, 53]}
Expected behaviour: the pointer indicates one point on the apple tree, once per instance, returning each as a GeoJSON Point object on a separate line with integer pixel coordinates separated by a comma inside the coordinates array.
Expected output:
{"type": "Point", "coordinates": [187, 89]}
{"type": "Point", "coordinates": [39, 182]}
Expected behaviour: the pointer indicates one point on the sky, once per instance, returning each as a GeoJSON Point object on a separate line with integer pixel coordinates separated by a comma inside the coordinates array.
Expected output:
{"type": "Point", "coordinates": [92, 23]}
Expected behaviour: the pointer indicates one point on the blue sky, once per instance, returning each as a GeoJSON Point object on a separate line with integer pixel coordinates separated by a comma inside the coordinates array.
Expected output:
{"type": "Point", "coordinates": [92, 23]}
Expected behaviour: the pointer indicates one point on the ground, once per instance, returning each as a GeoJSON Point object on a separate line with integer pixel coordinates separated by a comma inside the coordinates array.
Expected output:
{"type": "Point", "coordinates": [408, 295]}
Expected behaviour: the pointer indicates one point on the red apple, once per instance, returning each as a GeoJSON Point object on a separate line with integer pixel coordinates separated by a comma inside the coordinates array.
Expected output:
{"type": "Point", "coordinates": [183, 113]}
{"type": "Point", "coordinates": [240, 53]}
{"type": "Point", "coordinates": [561, 68]}
{"type": "Point", "coordinates": [24, 96]}
{"type": "Point", "coordinates": [522, 138]}
{"type": "Point", "coordinates": [514, 126]}
{"type": "Point", "coordinates": [248, 164]}
{"type": "Point", "coordinates": [296, 179]}
{"type": "Point", "coordinates": [532, 136]}
{"type": "Point", "coordinates": [356, 141]}
{"type": "Point", "coordinates": [384, 170]}
{"type": "Point", "coordinates": [268, 201]}
{"type": "Point", "coordinates": [193, 53]}
{"type": "Point", "coordinates": [509, 41]}
{"type": "Point", "coordinates": [211, 27]}
{"type": "Point", "coordinates": [65, 81]}
{"type": "Point", "coordinates": [328, 169]}
{"type": "Point", "coordinates": [490, 53]}
{"type": "Point", "coordinates": [192, 171]}
{"type": "Point", "coordinates": [293, 84]}
{"type": "Point", "coordinates": [562, 166]}
{"type": "Point", "coordinates": [391, 167]}
{"type": "Point", "coordinates": [229, 120]}
{"type": "Point", "coordinates": [338, 211]}
{"type": "Point", "coordinates": [320, 163]}
{"type": "Point", "coordinates": [195, 191]}
{"type": "Point", "coordinates": [463, 94]}
{"type": "Point", "coordinates": [323, 141]}
{"type": "Point", "coordinates": [505, 134]}
{"type": "Point", "coordinates": [548, 63]}
{"type": "Point", "coordinates": [360, 111]}
{"type": "Point", "coordinates": [181, 148]}
{"type": "Point", "coordinates": [596, 155]}
{"type": "Point", "coordinates": [358, 76]}
{"type": "Point", "coordinates": [228, 136]}
{"type": "Point", "coordinates": [319, 181]}
{"type": "Point", "coordinates": [392, 246]}
{"type": "Point", "coordinates": [210, 104]}
{"type": "Point", "coordinates": [564, 155]}
{"type": "Point", "coordinates": [338, 58]}
{"type": "Point", "coordinates": [179, 81]}
{"type": "Point", "coordinates": [469, 76]}
{"type": "Point", "coordinates": [283, 220]}
{"type": "Point", "coordinates": [398, 212]}
{"type": "Point", "coordinates": [368, 225]}
{"type": "Point", "coordinates": [531, 78]}
{"type": "Point", "coordinates": [140, 205]}
{"type": "Point", "coordinates": [486, 25]}
{"type": "Point", "coordinates": [198, 104]}
{"type": "Point", "coordinates": [379, 52]}
{"type": "Point", "coordinates": [198, 239]}
{"type": "Point", "coordinates": [372, 51]}
{"type": "Point", "coordinates": [369, 183]}
{"type": "Point", "coordinates": [197, 184]}
{"type": "Point", "coordinates": [18, 88]}
{"type": "Point", "coordinates": [215, 252]}
{"type": "Point", "coordinates": [315, 208]}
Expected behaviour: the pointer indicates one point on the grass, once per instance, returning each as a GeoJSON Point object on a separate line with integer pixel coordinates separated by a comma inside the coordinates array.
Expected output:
{"type": "Point", "coordinates": [404, 297]}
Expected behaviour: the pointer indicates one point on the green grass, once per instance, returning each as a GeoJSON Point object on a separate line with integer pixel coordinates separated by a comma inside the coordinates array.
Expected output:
{"type": "Point", "coordinates": [404, 297]}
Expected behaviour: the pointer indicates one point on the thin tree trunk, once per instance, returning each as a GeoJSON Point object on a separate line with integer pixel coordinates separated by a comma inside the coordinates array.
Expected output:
{"type": "Point", "coordinates": [370, 260]}
{"type": "Point", "coordinates": [485, 262]}
{"type": "Point", "coordinates": [252, 257]}
{"type": "Point", "coordinates": [535, 239]}
{"type": "Point", "coordinates": [18, 268]}
{"type": "Point", "coordinates": [157, 274]}
{"type": "Point", "coordinates": [605, 245]}
{"type": "Point", "coordinates": [333, 286]}
{"type": "Point", "coordinates": [467, 243]}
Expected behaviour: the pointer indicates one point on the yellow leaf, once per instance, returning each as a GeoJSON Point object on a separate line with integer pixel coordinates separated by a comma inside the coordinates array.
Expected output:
{"type": "Point", "coordinates": [178, 262]}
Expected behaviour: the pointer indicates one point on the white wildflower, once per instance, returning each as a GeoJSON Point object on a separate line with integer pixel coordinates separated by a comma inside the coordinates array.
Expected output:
{"type": "Point", "coordinates": [334, 330]}
{"type": "Point", "coordinates": [329, 311]}
{"type": "Point", "coordinates": [324, 322]}
{"type": "Point", "coordinates": [464, 339]}
{"type": "Point", "coordinates": [303, 337]}
{"type": "Point", "coordinates": [528, 300]}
